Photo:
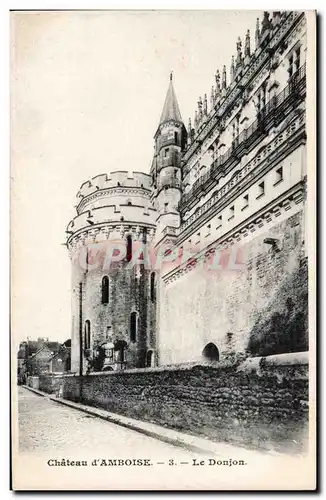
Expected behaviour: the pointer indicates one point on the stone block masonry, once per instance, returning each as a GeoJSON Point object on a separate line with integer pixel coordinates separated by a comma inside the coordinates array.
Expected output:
{"type": "Point", "coordinates": [261, 408]}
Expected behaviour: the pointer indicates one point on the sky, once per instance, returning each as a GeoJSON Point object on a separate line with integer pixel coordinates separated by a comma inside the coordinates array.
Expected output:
{"type": "Point", "coordinates": [87, 91]}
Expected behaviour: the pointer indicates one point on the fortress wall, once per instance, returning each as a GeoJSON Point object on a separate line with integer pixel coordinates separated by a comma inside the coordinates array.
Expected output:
{"type": "Point", "coordinates": [267, 409]}
{"type": "Point", "coordinates": [222, 306]}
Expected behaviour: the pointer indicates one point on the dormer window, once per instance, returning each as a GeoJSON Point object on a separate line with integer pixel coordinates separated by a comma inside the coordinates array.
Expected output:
{"type": "Point", "coordinates": [278, 175]}
{"type": "Point", "coordinates": [231, 212]}
{"type": "Point", "coordinates": [261, 189]}
{"type": "Point", "coordinates": [294, 62]}
{"type": "Point", "coordinates": [245, 201]}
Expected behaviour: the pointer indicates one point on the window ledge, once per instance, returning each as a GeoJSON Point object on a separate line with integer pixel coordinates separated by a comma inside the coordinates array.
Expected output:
{"type": "Point", "coordinates": [278, 182]}
{"type": "Point", "coordinates": [230, 218]}
{"type": "Point", "coordinates": [243, 208]}
{"type": "Point", "coordinates": [218, 227]}
{"type": "Point", "coordinates": [260, 196]}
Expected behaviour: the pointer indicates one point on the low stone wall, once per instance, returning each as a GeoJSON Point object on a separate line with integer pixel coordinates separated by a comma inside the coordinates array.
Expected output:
{"type": "Point", "coordinates": [33, 382]}
{"type": "Point", "coordinates": [50, 383]}
{"type": "Point", "coordinates": [264, 407]}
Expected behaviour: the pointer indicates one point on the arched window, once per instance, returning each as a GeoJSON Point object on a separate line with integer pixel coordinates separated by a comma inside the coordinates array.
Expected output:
{"type": "Point", "coordinates": [87, 334]}
{"type": "Point", "coordinates": [105, 290]}
{"type": "Point", "coordinates": [133, 327]}
{"type": "Point", "coordinates": [153, 290]}
{"type": "Point", "coordinates": [149, 357]}
{"type": "Point", "coordinates": [129, 248]}
{"type": "Point", "coordinates": [210, 352]}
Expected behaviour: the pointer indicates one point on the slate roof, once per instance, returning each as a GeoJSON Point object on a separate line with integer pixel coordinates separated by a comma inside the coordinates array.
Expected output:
{"type": "Point", "coordinates": [171, 109]}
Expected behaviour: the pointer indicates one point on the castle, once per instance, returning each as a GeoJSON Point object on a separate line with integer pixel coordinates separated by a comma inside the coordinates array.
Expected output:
{"type": "Point", "coordinates": [231, 184]}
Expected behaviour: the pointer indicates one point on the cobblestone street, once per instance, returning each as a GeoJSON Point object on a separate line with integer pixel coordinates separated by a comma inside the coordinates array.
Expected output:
{"type": "Point", "coordinates": [46, 426]}
{"type": "Point", "coordinates": [49, 431]}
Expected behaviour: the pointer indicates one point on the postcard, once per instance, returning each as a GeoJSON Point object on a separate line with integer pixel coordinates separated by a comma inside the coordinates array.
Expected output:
{"type": "Point", "coordinates": [163, 240]}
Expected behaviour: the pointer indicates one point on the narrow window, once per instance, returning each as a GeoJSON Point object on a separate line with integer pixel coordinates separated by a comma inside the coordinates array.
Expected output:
{"type": "Point", "coordinates": [129, 248]}
{"type": "Point", "coordinates": [87, 334]}
{"type": "Point", "coordinates": [133, 327]}
{"type": "Point", "coordinates": [245, 201]}
{"type": "Point", "coordinates": [105, 290]}
{"type": "Point", "coordinates": [153, 294]}
{"type": "Point", "coordinates": [231, 211]}
{"type": "Point", "coordinates": [261, 189]}
{"type": "Point", "coordinates": [263, 96]}
{"type": "Point", "coordinates": [290, 69]}
{"type": "Point", "coordinates": [149, 357]}
{"type": "Point", "coordinates": [278, 175]}
{"type": "Point", "coordinates": [297, 59]}
{"type": "Point", "coordinates": [258, 102]}
{"type": "Point", "coordinates": [176, 137]}
{"type": "Point", "coordinates": [166, 152]}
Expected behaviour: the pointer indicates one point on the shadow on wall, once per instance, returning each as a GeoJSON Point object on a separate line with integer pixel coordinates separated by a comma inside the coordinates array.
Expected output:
{"type": "Point", "coordinates": [283, 325]}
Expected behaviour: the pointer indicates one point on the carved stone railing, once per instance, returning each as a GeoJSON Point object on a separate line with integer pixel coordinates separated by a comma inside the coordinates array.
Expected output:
{"type": "Point", "coordinates": [258, 60]}
{"type": "Point", "coordinates": [269, 116]}
{"type": "Point", "coordinates": [246, 171]}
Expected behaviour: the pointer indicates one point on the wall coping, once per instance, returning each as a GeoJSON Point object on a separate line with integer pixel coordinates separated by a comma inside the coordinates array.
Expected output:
{"type": "Point", "coordinates": [276, 360]}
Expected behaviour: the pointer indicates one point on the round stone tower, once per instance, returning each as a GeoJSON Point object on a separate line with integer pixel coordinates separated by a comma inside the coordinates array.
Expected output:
{"type": "Point", "coordinates": [170, 140]}
{"type": "Point", "coordinates": [113, 287]}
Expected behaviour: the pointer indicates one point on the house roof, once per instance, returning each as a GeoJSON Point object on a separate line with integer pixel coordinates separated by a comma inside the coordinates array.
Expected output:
{"type": "Point", "coordinates": [53, 347]}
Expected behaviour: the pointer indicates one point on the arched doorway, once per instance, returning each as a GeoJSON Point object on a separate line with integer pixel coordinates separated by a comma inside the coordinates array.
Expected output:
{"type": "Point", "coordinates": [210, 352]}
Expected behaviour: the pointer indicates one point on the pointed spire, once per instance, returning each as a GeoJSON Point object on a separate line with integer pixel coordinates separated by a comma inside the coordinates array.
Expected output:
{"type": "Point", "coordinates": [224, 77]}
{"type": "Point", "coordinates": [212, 97]}
{"type": "Point", "coordinates": [189, 136]}
{"type": "Point", "coordinates": [200, 108]}
{"type": "Point", "coordinates": [232, 69]}
{"type": "Point", "coordinates": [217, 81]}
{"type": "Point", "coordinates": [205, 104]}
{"type": "Point", "coordinates": [171, 109]}
{"type": "Point", "coordinates": [257, 34]}
{"type": "Point", "coordinates": [196, 121]}
{"type": "Point", "coordinates": [239, 52]}
{"type": "Point", "coordinates": [189, 127]}
{"type": "Point", "coordinates": [247, 45]}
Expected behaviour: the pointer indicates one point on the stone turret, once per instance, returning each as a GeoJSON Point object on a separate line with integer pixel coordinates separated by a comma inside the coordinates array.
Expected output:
{"type": "Point", "coordinates": [170, 141]}
{"type": "Point", "coordinates": [111, 306]}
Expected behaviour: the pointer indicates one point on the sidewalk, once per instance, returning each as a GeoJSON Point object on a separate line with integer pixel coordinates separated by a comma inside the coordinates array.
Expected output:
{"type": "Point", "coordinates": [170, 436]}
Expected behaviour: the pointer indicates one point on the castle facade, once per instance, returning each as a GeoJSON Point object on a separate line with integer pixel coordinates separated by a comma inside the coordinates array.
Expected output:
{"type": "Point", "coordinates": [227, 196]}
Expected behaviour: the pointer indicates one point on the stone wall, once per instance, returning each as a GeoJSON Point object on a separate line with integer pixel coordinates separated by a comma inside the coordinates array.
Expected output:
{"type": "Point", "coordinates": [50, 383]}
{"type": "Point", "coordinates": [263, 404]}
{"type": "Point", "coordinates": [202, 306]}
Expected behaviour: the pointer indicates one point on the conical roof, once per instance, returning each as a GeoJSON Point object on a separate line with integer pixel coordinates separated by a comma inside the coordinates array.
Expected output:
{"type": "Point", "coordinates": [171, 109]}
